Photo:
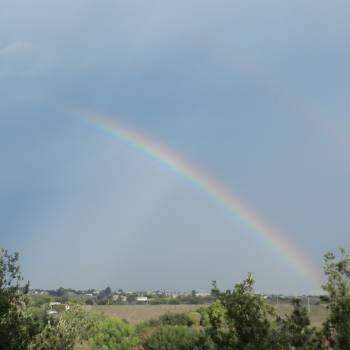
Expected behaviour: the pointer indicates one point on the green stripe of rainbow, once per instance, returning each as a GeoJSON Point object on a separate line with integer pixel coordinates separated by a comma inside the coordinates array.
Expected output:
{"type": "Point", "coordinates": [179, 165]}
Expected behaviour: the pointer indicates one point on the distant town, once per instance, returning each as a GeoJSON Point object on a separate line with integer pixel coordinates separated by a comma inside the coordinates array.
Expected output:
{"type": "Point", "coordinates": [108, 296]}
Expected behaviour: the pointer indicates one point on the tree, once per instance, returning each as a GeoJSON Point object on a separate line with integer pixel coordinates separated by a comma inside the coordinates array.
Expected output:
{"type": "Point", "coordinates": [15, 323]}
{"type": "Point", "coordinates": [23, 327]}
{"type": "Point", "coordinates": [104, 296]}
{"type": "Point", "coordinates": [240, 318]}
{"type": "Point", "coordinates": [337, 327]}
{"type": "Point", "coordinates": [295, 330]}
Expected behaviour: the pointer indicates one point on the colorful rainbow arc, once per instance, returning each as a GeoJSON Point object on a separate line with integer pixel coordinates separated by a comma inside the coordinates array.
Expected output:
{"type": "Point", "coordinates": [176, 163]}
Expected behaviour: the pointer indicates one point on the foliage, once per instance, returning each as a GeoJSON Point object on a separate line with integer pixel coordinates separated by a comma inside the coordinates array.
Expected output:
{"type": "Point", "coordinates": [24, 326]}
{"type": "Point", "coordinates": [295, 331]}
{"type": "Point", "coordinates": [240, 318]}
{"type": "Point", "coordinates": [39, 300]}
{"type": "Point", "coordinates": [194, 318]}
{"type": "Point", "coordinates": [89, 301]}
{"type": "Point", "coordinates": [113, 334]}
{"type": "Point", "coordinates": [188, 319]}
{"type": "Point", "coordinates": [63, 332]}
{"type": "Point", "coordinates": [337, 327]}
{"type": "Point", "coordinates": [173, 338]}
{"type": "Point", "coordinates": [175, 319]}
{"type": "Point", "coordinates": [15, 322]}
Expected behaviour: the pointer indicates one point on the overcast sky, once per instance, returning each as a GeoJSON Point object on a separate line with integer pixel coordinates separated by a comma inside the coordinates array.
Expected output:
{"type": "Point", "coordinates": [255, 93]}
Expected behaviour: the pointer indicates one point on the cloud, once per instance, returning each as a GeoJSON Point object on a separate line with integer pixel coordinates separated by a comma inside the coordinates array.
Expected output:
{"type": "Point", "coordinates": [18, 47]}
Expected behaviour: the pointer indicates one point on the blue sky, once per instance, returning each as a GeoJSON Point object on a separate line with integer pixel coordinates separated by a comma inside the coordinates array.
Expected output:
{"type": "Point", "coordinates": [255, 93]}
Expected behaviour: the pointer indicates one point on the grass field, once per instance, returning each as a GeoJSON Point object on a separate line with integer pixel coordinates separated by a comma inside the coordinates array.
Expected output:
{"type": "Point", "coordinates": [138, 313]}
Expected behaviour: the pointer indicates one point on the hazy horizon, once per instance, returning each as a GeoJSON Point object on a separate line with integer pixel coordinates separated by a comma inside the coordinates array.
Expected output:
{"type": "Point", "coordinates": [254, 94]}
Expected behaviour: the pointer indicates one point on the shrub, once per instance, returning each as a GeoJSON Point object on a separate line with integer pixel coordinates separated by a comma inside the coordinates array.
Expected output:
{"type": "Point", "coordinates": [194, 318]}
{"type": "Point", "coordinates": [89, 302]}
{"type": "Point", "coordinates": [175, 320]}
{"type": "Point", "coordinates": [113, 334]}
{"type": "Point", "coordinates": [174, 338]}
{"type": "Point", "coordinates": [62, 333]}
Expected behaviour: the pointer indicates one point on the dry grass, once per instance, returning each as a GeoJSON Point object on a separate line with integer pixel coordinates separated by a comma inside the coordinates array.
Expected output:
{"type": "Point", "coordinates": [138, 313]}
{"type": "Point", "coordinates": [82, 347]}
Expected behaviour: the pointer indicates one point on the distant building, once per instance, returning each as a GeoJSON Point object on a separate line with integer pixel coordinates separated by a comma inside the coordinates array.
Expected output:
{"type": "Point", "coordinates": [118, 297]}
{"type": "Point", "coordinates": [142, 299]}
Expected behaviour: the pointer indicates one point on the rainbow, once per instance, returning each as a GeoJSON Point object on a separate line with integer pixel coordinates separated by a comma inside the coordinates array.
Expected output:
{"type": "Point", "coordinates": [293, 254]}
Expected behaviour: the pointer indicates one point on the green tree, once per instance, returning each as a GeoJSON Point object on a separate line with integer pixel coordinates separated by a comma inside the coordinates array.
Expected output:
{"type": "Point", "coordinates": [295, 331]}
{"type": "Point", "coordinates": [240, 318]}
{"type": "Point", "coordinates": [16, 325]}
{"type": "Point", "coordinates": [24, 327]}
{"type": "Point", "coordinates": [337, 327]}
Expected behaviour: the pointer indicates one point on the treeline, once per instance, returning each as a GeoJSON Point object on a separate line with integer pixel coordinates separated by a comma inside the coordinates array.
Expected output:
{"type": "Point", "coordinates": [239, 319]}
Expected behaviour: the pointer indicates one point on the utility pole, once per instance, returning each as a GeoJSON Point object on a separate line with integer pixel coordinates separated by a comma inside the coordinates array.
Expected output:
{"type": "Point", "coordinates": [308, 304]}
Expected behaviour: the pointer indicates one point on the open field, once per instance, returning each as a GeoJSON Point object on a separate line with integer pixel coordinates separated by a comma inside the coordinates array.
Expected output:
{"type": "Point", "coordinates": [138, 313]}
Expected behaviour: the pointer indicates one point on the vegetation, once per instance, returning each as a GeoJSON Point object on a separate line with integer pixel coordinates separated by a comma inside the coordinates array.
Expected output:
{"type": "Point", "coordinates": [173, 338]}
{"type": "Point", "coordinates": [113, 334]}
{"type": "Point", "coordinates": [237, 319]}
{"type": "Point", "coordinates": [240, 319]}
{"type": "Point", "coordinates": [16, 325]}
{"type": "Point", "coordinates": [60, 333]}
{"type": "Point", "coordinates": [337, 327]}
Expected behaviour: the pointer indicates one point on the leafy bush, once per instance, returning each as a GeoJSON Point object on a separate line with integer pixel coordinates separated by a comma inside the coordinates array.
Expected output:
{"type": "Point", "coordinates": [15, 322]}
{"type": "Point", "coordinates": [204, 320]}
{"type": "Point", "coordinates": [174, 338]}
{"type": "Point", "coordinates": [175, 320]}
{"type": "Point", "coordinates": [194, 318]}
{"type": "Point", "coordinates": [62, 333]}
{"type": "Point", "coordinates": [113, 334]}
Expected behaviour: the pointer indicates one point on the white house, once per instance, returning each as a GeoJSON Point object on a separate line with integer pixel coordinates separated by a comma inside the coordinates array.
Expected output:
{"type": "Point", "coordinates": [142, 299]}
